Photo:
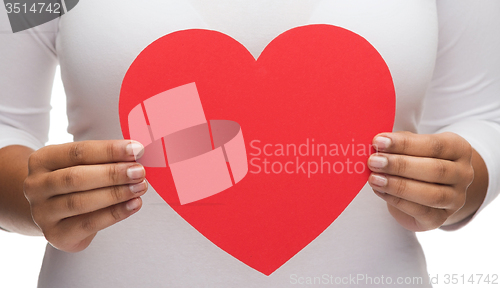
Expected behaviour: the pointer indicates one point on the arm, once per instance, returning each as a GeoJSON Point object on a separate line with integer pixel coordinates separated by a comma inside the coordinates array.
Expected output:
{"type": "Point", "coordinates": [463, 98]}
{"type": "Point", "coordinates": [72, 190]}
{"type": "Point", "coordinates": [27, 69]}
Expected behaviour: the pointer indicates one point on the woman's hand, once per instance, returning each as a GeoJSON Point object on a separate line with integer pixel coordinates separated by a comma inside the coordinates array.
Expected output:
{"type": "Point", "coordinates": [423, 178]}
{"type": "Point", "coordinates": [77, 189]}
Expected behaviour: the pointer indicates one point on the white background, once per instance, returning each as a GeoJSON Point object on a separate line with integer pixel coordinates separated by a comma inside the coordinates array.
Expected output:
{"type": "Point", "coordinates": [474, 249]}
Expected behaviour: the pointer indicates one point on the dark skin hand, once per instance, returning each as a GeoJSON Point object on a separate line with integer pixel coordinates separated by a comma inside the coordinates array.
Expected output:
{"type": "Point", "coordinates": [427, 180]}
{"type": "Point", "coordinates": [71, 191]}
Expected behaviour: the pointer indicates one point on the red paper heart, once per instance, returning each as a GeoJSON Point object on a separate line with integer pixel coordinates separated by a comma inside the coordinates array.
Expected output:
{"type": "Point", "coordinates": [312, 85]}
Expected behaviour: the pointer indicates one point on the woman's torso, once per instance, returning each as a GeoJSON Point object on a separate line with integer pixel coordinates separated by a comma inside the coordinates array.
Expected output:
{"type": "Point", "coordinates": [96, 43]}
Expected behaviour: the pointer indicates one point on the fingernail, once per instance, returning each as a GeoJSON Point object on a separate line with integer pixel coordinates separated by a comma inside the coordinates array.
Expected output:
{"type": "Point", "coordinates": [133, 204]}
{"type": "Point", "coordinates": [378, 180]}
{"type": "Point", "coordinates": [378, 161]}
{"type": "Point", "coordinates": [135, 149]}
{"type": "Point", "coordinates": [139, 187]}
{"type": "Point", "coordinates": [135, 172]}
{"type": "Point", "coordinates": [382, 143]}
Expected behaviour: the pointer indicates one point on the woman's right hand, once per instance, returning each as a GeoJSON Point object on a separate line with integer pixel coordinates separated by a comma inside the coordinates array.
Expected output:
{"type": "Point", "coordinates": [80, 188]}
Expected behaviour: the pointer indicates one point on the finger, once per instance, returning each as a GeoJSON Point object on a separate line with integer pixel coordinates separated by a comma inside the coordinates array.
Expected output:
{"type": "Point", "coordinates": [414, 216]}
{"type": "Point", "coordinates": [428, 194]}
{"type": "Point", "coordinates": [419, 168]}
{"type": "Point", "coordinates": [89, 177]}
{"type": "Point", "coordinates": [89, 152]}
{"type": "Point", "coordinates": [82, 226]}
{"type": "Point", "coordinates": [78, 203]}
{"type": "Point", "coordinates": [427, 145]}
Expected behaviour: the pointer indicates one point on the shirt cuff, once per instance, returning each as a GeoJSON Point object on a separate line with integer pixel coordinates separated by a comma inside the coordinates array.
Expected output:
{"type": "Point", "coordinates": [12, 136]}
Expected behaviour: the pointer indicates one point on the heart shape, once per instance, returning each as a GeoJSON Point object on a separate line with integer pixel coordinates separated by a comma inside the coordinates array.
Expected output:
{"type": "Point", "coordinates": [308, 107]}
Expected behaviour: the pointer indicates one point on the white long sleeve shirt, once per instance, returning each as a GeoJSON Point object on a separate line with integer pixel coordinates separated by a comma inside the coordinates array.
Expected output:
{"type": "Point", "coordinates": [444, 59]}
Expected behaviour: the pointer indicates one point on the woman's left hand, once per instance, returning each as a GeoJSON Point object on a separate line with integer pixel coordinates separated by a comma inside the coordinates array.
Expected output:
{"type": "Point", "coordinates": [423, 178]}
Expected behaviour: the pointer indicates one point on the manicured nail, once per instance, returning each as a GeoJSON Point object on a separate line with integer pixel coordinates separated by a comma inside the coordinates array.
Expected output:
{"type": "Point", "coordinates": [378, 161]}
{"type": "Point", "coordinates": [382, 143]}
{"type": "Point", "coordinates": [133, 204]}
{"type": "Point", "coordinates": [136, 172]}
{"type": "Point", "coordinates": [139, 187]}
{"type": "Point", "coordinates": [378, 180]}
{"type": "Point", "coordinates": [135, 149]}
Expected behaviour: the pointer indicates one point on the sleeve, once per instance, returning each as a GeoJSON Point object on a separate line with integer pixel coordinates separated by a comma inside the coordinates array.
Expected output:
{"type": "Point", "coordinates": [27, 66]}
{"type": "Point", "coordinates": [464, 95]}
